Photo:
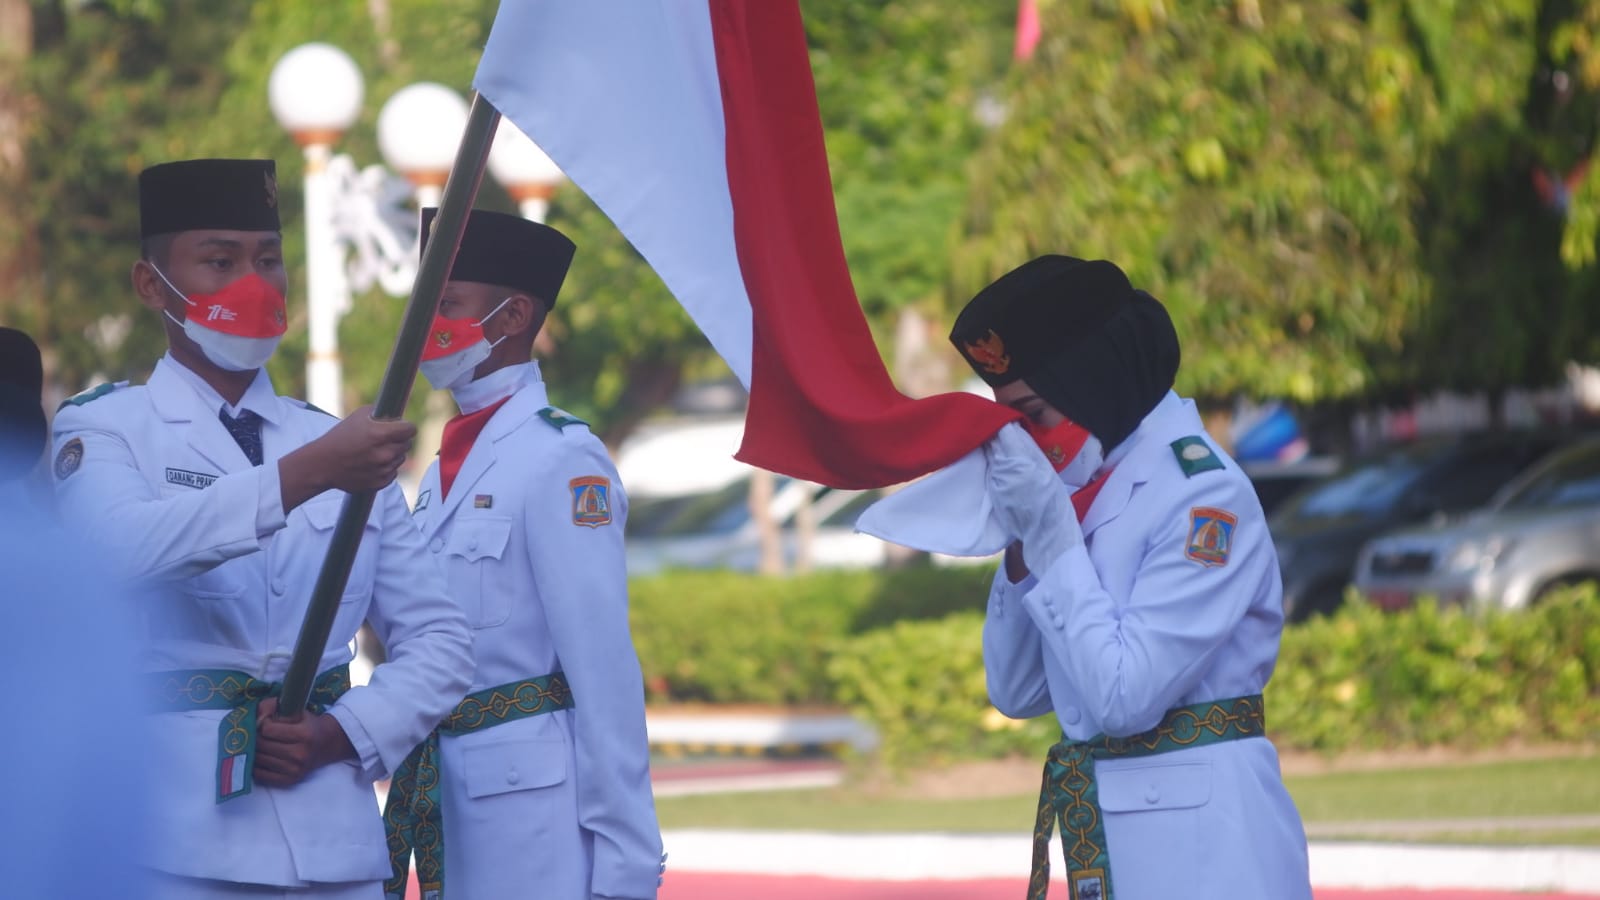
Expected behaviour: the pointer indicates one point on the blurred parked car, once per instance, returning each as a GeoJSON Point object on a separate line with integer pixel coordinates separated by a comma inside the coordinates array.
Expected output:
{"type": "Point", "coordinates": [1320, 531]}
{"type": "Point", "coordinates": [1542, 532]}
{"type": "Point", "coordinates": [716, 530]}
{"type": "Point", "coordinates": [1276, 482]}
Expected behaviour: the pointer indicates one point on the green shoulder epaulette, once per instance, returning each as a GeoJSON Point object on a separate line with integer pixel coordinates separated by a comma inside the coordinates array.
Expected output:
{"type": "Point", "coordinates": [1195, 456]}
{"type": "Point", "coordinates": [559, 418]}
{"type": "Point", "coordinates": [94, 393]}
{"type": "Point", "coordinates": [314, 408]}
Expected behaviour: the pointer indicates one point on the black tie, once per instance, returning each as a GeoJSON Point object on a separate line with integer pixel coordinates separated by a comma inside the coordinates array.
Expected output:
{"type": "Point", "coordinates": [246, 431]}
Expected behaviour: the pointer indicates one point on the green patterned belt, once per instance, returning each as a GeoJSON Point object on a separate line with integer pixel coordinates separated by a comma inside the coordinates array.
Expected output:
{"type": "Point", "coordinates": [1070, 795]}
{"type": "Point", "coordinates": [412, 817]}
{"type": "Point", "coordinates": [180, 690]}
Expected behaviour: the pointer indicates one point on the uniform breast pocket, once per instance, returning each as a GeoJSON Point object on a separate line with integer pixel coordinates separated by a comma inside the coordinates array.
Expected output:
{"type": "Point", "coordinates": [477, 545]}
{"type": "Point", "coordinates": [519, 764]}
{"type": "Point", "coordinates": [1154, 810]}
{"type": "Point", "coordinates": [322, 515]}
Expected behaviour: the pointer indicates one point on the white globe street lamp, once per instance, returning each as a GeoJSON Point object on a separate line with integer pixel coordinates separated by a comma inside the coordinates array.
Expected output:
{"type": "Point", "coordinates": [361, 228]}
{"type": "Point", "coordinates": [315, 94]}
{"type": "Point", "coordinates": [528, 174]}
{"type": "Point", "coordinates": [418, 132]}
{"type": "Point", "coordinates": [362, 223]}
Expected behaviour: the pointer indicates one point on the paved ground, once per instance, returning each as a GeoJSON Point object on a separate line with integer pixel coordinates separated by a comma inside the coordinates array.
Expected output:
{"type": "Point", "coordinates": [701, 886]}
{"type": "Point", "coordinates": [1413, 827]}
{"type": "Point", "coordinates": [735, 865]}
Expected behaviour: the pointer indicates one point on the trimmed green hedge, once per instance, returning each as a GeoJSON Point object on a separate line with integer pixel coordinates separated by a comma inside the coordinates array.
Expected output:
{"type": "Point", "coordinates": [904, 651]}
{"type": "Point", "coordinates": [1361, 679]}
{"type": "Point", "coordinates": [725, 637]}
{"type": "Point", "coordinates": [921, 685]}
{"type": "Point", "coordinates": [1428, 676]}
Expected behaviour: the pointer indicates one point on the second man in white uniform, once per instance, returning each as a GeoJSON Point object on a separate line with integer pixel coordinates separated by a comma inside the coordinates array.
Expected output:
{"type": "Point", "coordinates": [542, 774]}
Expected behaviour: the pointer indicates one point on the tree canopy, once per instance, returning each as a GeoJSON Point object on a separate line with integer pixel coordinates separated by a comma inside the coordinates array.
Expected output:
{"type": "Point", "coordinates": [1308, 185]}
{"type": "Point", "coordinates": [1336, 198]}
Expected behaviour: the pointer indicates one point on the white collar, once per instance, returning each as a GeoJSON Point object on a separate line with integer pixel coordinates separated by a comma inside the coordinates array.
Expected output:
{"type": "Point", "coordinates": [495, 386]}
{"type": "Point", "coordinates": [259, 397]}
{"type": "Point", "coordinates": [1169, 404]}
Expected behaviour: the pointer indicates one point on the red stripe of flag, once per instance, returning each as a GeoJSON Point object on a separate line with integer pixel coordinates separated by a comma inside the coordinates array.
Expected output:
{"type": "Point", "coordinates": [822, 405]}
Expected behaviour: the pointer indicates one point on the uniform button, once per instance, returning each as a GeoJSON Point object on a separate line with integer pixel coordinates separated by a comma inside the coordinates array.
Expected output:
{"type": "Point", "coordinates": [472, 544]}
{"type": "Point", "coordinates": [1059, 622]}
{"type": "Point", "coordinates": [436, 545]}
{"type": "Point", "coordinates": [1152, 796]}
{"type": "Point", "coordinates": [277, 586]}
{"type": "Point", "coordinates": [1071, 715]}
{"type": "Point", "coordinates": [512, 777]}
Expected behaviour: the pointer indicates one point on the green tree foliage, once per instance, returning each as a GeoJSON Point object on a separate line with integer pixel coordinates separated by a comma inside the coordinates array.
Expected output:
{"type": "Point", "coordinates": [1511, 302]}
{"type": "Point", "coordinates": [98, 75]}
{"type": "Point", "coordinates": [1329, 194]}
{"type": "Point", "coordinates": [1288, 178]}
{"type": "Point", "coordinates": [902, 87]}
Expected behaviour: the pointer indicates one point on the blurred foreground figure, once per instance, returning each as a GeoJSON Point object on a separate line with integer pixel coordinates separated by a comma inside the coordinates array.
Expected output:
{"type": "Point", "coordinates": [1141, 601]}
{"type": "Point", "coordinates": [75, 776]}
{"type": "Point", "coordinates": [219, 497]}
{"type": "Point", "coordinates": [543, 773]}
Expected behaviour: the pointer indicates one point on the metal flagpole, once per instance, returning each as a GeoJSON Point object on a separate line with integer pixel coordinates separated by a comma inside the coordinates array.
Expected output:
{"type": "Point", "coordinates": [460, 190]}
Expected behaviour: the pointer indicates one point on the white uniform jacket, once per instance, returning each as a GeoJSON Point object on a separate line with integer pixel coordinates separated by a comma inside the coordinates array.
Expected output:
{"type": "Point", "coordinates": [1175, 600]}
{"type": "Point", "coordinates": [151, 473]}
{"type": "Point", "coordinates": [547, 803]}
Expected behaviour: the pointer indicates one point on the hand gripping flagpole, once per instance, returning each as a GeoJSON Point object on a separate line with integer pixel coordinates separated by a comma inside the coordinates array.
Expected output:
{"type": "Point", "coordinates": [460, 190]}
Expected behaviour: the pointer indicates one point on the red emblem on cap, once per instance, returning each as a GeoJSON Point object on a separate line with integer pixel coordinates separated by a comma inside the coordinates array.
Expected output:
{"type": "Point", "coordinates": [989, 353]}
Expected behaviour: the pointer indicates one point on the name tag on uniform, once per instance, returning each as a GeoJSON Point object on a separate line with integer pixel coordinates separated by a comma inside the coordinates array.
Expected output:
{"type": "Point", "coordinates": [187, 478]}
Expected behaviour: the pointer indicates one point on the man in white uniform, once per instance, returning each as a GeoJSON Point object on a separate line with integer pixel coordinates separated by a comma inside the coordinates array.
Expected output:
{"type": "Point", "coordinates": [220, 496]}
{"type": "Point", "coordinates": [543, 770]}
{"type": "Point", "coordinates": [1151, 628]}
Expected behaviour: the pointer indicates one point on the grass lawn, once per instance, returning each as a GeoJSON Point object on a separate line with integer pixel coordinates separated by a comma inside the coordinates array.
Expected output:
{"type": "Point", "coordinates": [1544, 787]}
{"type": "Point", "coordinates": [1533, 787]}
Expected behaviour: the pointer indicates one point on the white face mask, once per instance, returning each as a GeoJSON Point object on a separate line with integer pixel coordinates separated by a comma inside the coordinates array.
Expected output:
{"type": "Point", "coordinates": [232, 352]}
{"type": "Point", "coordinates": [450, 371]}
{"type": "Point", "coordinates": [1083, 467]}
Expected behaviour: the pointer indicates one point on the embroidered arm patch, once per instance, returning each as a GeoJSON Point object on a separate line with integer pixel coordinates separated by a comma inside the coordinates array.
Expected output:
{"type": "Point", "coordinates": [591, 500]}
{"type": "Point", "coordinates": [68, 459]}
{"type": "Point", "coordinates": [1210, 535]}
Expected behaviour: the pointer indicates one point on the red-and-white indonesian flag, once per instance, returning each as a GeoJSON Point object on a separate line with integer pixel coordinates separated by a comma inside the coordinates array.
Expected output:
{"type": "Point", "coordinates": [693, 125]}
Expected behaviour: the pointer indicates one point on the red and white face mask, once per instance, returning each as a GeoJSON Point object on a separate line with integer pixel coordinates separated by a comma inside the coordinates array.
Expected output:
{"type": "Point", "coordinates": [238, 327]}
{"type": "Point", "coordinates": [1073, 452]}
{"type": "Point", "coordinates": [454, 350]}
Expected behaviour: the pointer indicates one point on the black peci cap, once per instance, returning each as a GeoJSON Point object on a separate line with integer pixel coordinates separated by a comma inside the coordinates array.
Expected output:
{"type": "Point", "coordinates": [196, 194]}
{"type": "Point", "coordinates": [1036, 311]}
{"type": "Point", "coordinates": [22, 426]}
{"type": "Point", "coordinates": [509, 250]}
{"type": "Point", "coordinates": [1099, 351]}
{"type": "Point", "coordinates": [20, 363]}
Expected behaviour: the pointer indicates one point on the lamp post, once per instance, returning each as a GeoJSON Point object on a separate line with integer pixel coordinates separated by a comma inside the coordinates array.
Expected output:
{"type": "Point", "coordinates": [528, 174]}
{"type": "Point", "coordinates": [360, 227]}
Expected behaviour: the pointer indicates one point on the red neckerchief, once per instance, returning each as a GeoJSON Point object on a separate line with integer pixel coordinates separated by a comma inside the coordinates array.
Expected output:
{"type": "Point", "coordinates": [1083, 497]}
{"type": "Point", "coordinates": [459, 435]}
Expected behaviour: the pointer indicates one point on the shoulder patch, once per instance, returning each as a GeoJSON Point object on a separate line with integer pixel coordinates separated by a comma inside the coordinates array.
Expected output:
{"type": "Point", "coordinates": [92, 394]}
{"type": "Point", "coordinates": [68, 458]}
{"type": "Point", "coordinates": [307, 404]}
{"type": "Point", "coordinates": [591, 500]}
{"type": "Point", "coordinates": [1195, 456]}
{"type": "Point", "coordinates": [1210, 535]}
{"type": "Point", "coordinates": [559, 418]}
